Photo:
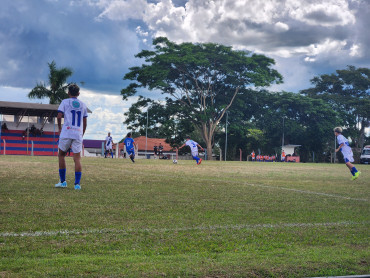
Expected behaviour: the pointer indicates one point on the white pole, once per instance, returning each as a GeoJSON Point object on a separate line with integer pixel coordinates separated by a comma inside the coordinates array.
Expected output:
{"type": "Point", "coordinates": [146, 131]}
{"type": "Point", "coordinates": [227, 113]}
{"type": "Point", "coordinates": [335, 147]}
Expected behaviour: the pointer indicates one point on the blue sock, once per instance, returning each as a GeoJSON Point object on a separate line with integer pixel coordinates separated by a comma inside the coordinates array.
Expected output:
{"type": "Point", "coordinates": [78, 177]}
{"type": "Point", "coordinates": [62, 174]}
{"type": "Point", "coordinates": [196, 158]}
{"type": "Point", "coordinates": [354, 170]}
{"type": "Point", "coordinates": [112, 154]}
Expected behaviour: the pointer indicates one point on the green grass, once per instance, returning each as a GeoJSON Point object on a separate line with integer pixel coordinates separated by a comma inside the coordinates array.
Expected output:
{"type": "Point", "coordinates": [154, 218]}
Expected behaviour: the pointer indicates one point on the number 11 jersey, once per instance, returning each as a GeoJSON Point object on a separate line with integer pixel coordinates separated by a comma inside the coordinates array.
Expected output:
{"type": "Point", "coordinates": [74, 111]}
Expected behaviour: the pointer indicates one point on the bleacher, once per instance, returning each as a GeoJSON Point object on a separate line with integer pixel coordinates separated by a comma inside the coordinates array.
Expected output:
{"type": "Point", "coordinates": [16, 143]}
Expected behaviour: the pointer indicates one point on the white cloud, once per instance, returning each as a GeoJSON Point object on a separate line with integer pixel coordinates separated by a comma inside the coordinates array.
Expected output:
{"type": "Point", "coordinates": [325, 13]}
{"type": "Point", "coordinates": [281, 27]}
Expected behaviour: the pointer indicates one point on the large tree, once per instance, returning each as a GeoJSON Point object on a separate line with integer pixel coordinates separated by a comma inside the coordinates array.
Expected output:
{"type": "Point", "coordinates": [348, 92]}
{"type": "Point", "coordinates": [57, 81]}
{"type": "Point", "coordinates": [204, 77]}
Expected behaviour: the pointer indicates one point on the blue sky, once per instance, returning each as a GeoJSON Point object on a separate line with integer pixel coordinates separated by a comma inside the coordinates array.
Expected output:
{"type": "Point", "coordinates": [99, 38]}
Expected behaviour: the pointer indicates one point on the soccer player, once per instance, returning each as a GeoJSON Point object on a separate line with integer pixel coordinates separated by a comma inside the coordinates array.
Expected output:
{"type": "Point", "coordinates": [130, 146]}
{"type": "Point", "coordinates": [108, 145]}
{"type": "Point", "coordinates": [253, 154]}
{"type": "Point", "coordinates": [283, 156]}
{"type": "Point", "coordinates": [74, 112]}
{"type": "Point", "coordinates": [346, 151]}
{"type": "Point", "coordinates": [194, 149]}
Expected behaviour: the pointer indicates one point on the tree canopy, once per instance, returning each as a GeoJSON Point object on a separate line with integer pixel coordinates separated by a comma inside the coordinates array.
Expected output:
{"type": "Point", "coordinates": [57, 81]}
{"type": "Point", "coordinates": [202, 79]}
{"type": "Point", "coordinates": [348, 93]}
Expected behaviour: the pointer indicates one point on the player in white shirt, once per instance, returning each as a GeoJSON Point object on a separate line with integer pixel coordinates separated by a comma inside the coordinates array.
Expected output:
{"type": "Point", "coordinates": [108, 145]}
{"type": "Point", "coordinates": [346, 151]}
{"type": "Point", "coordinates": [74, 112]}
{"type": "Point", "coordinates": [194, 149]}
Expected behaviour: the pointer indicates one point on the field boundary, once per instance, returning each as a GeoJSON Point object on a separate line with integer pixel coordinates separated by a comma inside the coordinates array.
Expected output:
{"type": "Point", "coordinates": [180, 229]}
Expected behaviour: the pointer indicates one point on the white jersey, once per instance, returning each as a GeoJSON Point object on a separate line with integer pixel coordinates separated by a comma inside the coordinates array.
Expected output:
{"type": "Point", "coordinates": [108, 142]}
{"type": "Point", "coordinates": [346, 149]}
{"type": "Point", "coordinates": [74, 111]}
{"type": "Point", "coordinates": [193, 146]}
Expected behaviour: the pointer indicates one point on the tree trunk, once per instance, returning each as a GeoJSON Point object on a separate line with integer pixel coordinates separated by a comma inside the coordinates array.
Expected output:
{"type": "Point", "coordinates": [209, 149]}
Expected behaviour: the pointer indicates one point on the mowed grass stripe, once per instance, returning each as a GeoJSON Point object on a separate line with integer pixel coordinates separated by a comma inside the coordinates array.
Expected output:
{"type": "Point", "coordinates": [261, 185]}
{"type": "Point", "coordinates": [182, 229]}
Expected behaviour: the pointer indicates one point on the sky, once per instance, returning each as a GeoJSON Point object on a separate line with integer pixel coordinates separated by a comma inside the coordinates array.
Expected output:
{"type": "Point", "coordinates": [98, 39]}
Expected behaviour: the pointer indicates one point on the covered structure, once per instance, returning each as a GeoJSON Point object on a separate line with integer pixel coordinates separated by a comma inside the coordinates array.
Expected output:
{"type": "Point", "coordinates": [290, 153]}
{"type": "Point", "coordinates": [28, 128]}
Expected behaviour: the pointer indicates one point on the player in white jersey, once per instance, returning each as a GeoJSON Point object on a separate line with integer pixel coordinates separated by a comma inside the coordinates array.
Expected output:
{"type": "Point", "coordinates": [74, 112]}
{"type": "Point", "coordinates": [108, 145]}
{"type": "Point", "coordinates": [346, 151]}
{"type": "Point", "coordinates": [194, 149]}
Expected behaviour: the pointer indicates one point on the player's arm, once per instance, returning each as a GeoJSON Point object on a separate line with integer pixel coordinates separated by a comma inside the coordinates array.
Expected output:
{"type": "Point", "coordinates": [84, 125]}
{"type": "Point", "coordinates": [182, 146]}
{"type": "Point", "coordinates": [200, 147]}
{"type": "Point", "coordinates": [59, 121]}
{"type": "Point", "coordinates": [340, 146]}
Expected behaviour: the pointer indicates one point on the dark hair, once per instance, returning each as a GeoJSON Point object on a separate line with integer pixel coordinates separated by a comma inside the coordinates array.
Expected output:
{"type": "Point", "coordinates": [73, 89]}
{"type": "Point", "coordinates": [129, 134]}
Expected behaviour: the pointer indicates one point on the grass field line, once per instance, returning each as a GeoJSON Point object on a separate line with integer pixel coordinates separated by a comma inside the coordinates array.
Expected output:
{"type": "Point", "coordinates": [276, 187]}
{"type": "Point", "coordinates": [180, 229]}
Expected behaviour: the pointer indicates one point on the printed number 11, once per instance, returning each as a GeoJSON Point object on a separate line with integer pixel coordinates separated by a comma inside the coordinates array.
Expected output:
{"type": "Point", "coordinates": [74, 112]}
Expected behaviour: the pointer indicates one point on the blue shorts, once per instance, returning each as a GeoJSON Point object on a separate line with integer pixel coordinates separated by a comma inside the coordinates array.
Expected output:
{"type": "Point", "coordinates": [131, 152]}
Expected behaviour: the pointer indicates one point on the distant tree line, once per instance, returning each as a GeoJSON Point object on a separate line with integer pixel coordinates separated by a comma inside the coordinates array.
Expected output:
{"type": "Point", "coordinates": [195, 74]}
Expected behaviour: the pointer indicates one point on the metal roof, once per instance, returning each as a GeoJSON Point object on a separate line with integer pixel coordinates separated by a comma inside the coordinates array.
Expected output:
{"type": "Point", "coordinates": [29, 109]}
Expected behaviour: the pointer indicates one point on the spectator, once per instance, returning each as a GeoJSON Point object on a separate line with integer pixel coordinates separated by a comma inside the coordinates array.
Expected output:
{"type": "Point", "coordinates": [160, 148]}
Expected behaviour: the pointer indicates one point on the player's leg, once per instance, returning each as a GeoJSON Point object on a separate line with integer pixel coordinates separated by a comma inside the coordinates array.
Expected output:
{"type": "Point", "coordinates": [77, 148]}
{"type": "Point", "coordinates": [64, 145]}
{"type": "Point", "coordinates": [351, 167]}
{"type": "Point", "coordinates": [111, 152]}
{"type": "Point", "coordinates": [196, 158]}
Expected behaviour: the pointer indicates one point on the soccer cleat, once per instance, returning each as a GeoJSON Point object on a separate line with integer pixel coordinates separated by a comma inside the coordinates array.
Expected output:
{"type": "Point", "coordinates": [77, 187]}
{"type": "Point", "coordinates": [200, 161]}
{"type": "Point", "coordinates": [357, 174]}
{"type": "Point", "coordinates": [61, 184]}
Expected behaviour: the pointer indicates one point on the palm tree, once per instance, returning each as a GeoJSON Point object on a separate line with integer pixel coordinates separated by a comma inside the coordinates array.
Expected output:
{"type": "Point", "coordinates": [57, 82]}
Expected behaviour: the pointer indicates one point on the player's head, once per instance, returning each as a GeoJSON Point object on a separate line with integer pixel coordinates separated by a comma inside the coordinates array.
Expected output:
{"type": "Point", "coordinates": [129, 135]}
{"type": "Point", "coordinates": [108, 133]}
{"type": "Point", "coordinates": [187, 137]}
{"type": "Point", "coordinates": [338, 130]}
{"type": "Point", "coordinates": [74, 90]}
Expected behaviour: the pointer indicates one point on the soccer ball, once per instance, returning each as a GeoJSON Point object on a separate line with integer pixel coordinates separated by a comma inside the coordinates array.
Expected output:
{"type": "Point", "coordinates": [174, 161]}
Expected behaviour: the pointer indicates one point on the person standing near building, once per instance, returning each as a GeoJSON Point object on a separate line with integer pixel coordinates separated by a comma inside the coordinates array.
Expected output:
{"type": "Point", "coordinates": [194, 149]}
{"type": "Point", "coordinates": [74, 112]}
{"type": "Point", "coordinates": [346, 151]}
{"type": "Point", "coordinates": [155, 151]}
{"type": "Point", "coordinates": [160, 149]}
{"type": "Point", "coordinates": [108, 145]}
{"type": "Point", "coordinates": [130, 146]}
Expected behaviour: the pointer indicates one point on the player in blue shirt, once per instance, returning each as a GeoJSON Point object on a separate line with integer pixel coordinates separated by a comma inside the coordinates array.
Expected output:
{"type": "Point", "coordinates": [346, 151]}
{"type": "Point", "coordinates": [130, 146]}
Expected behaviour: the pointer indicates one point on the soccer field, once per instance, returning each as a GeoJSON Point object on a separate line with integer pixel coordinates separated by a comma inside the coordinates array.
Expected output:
{"type": "Point", "coordinates": [154, 218]}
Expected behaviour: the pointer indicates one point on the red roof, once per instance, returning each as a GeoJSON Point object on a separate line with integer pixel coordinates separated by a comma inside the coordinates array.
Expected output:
{"type": "Point", "coordinates": [150, 143]}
